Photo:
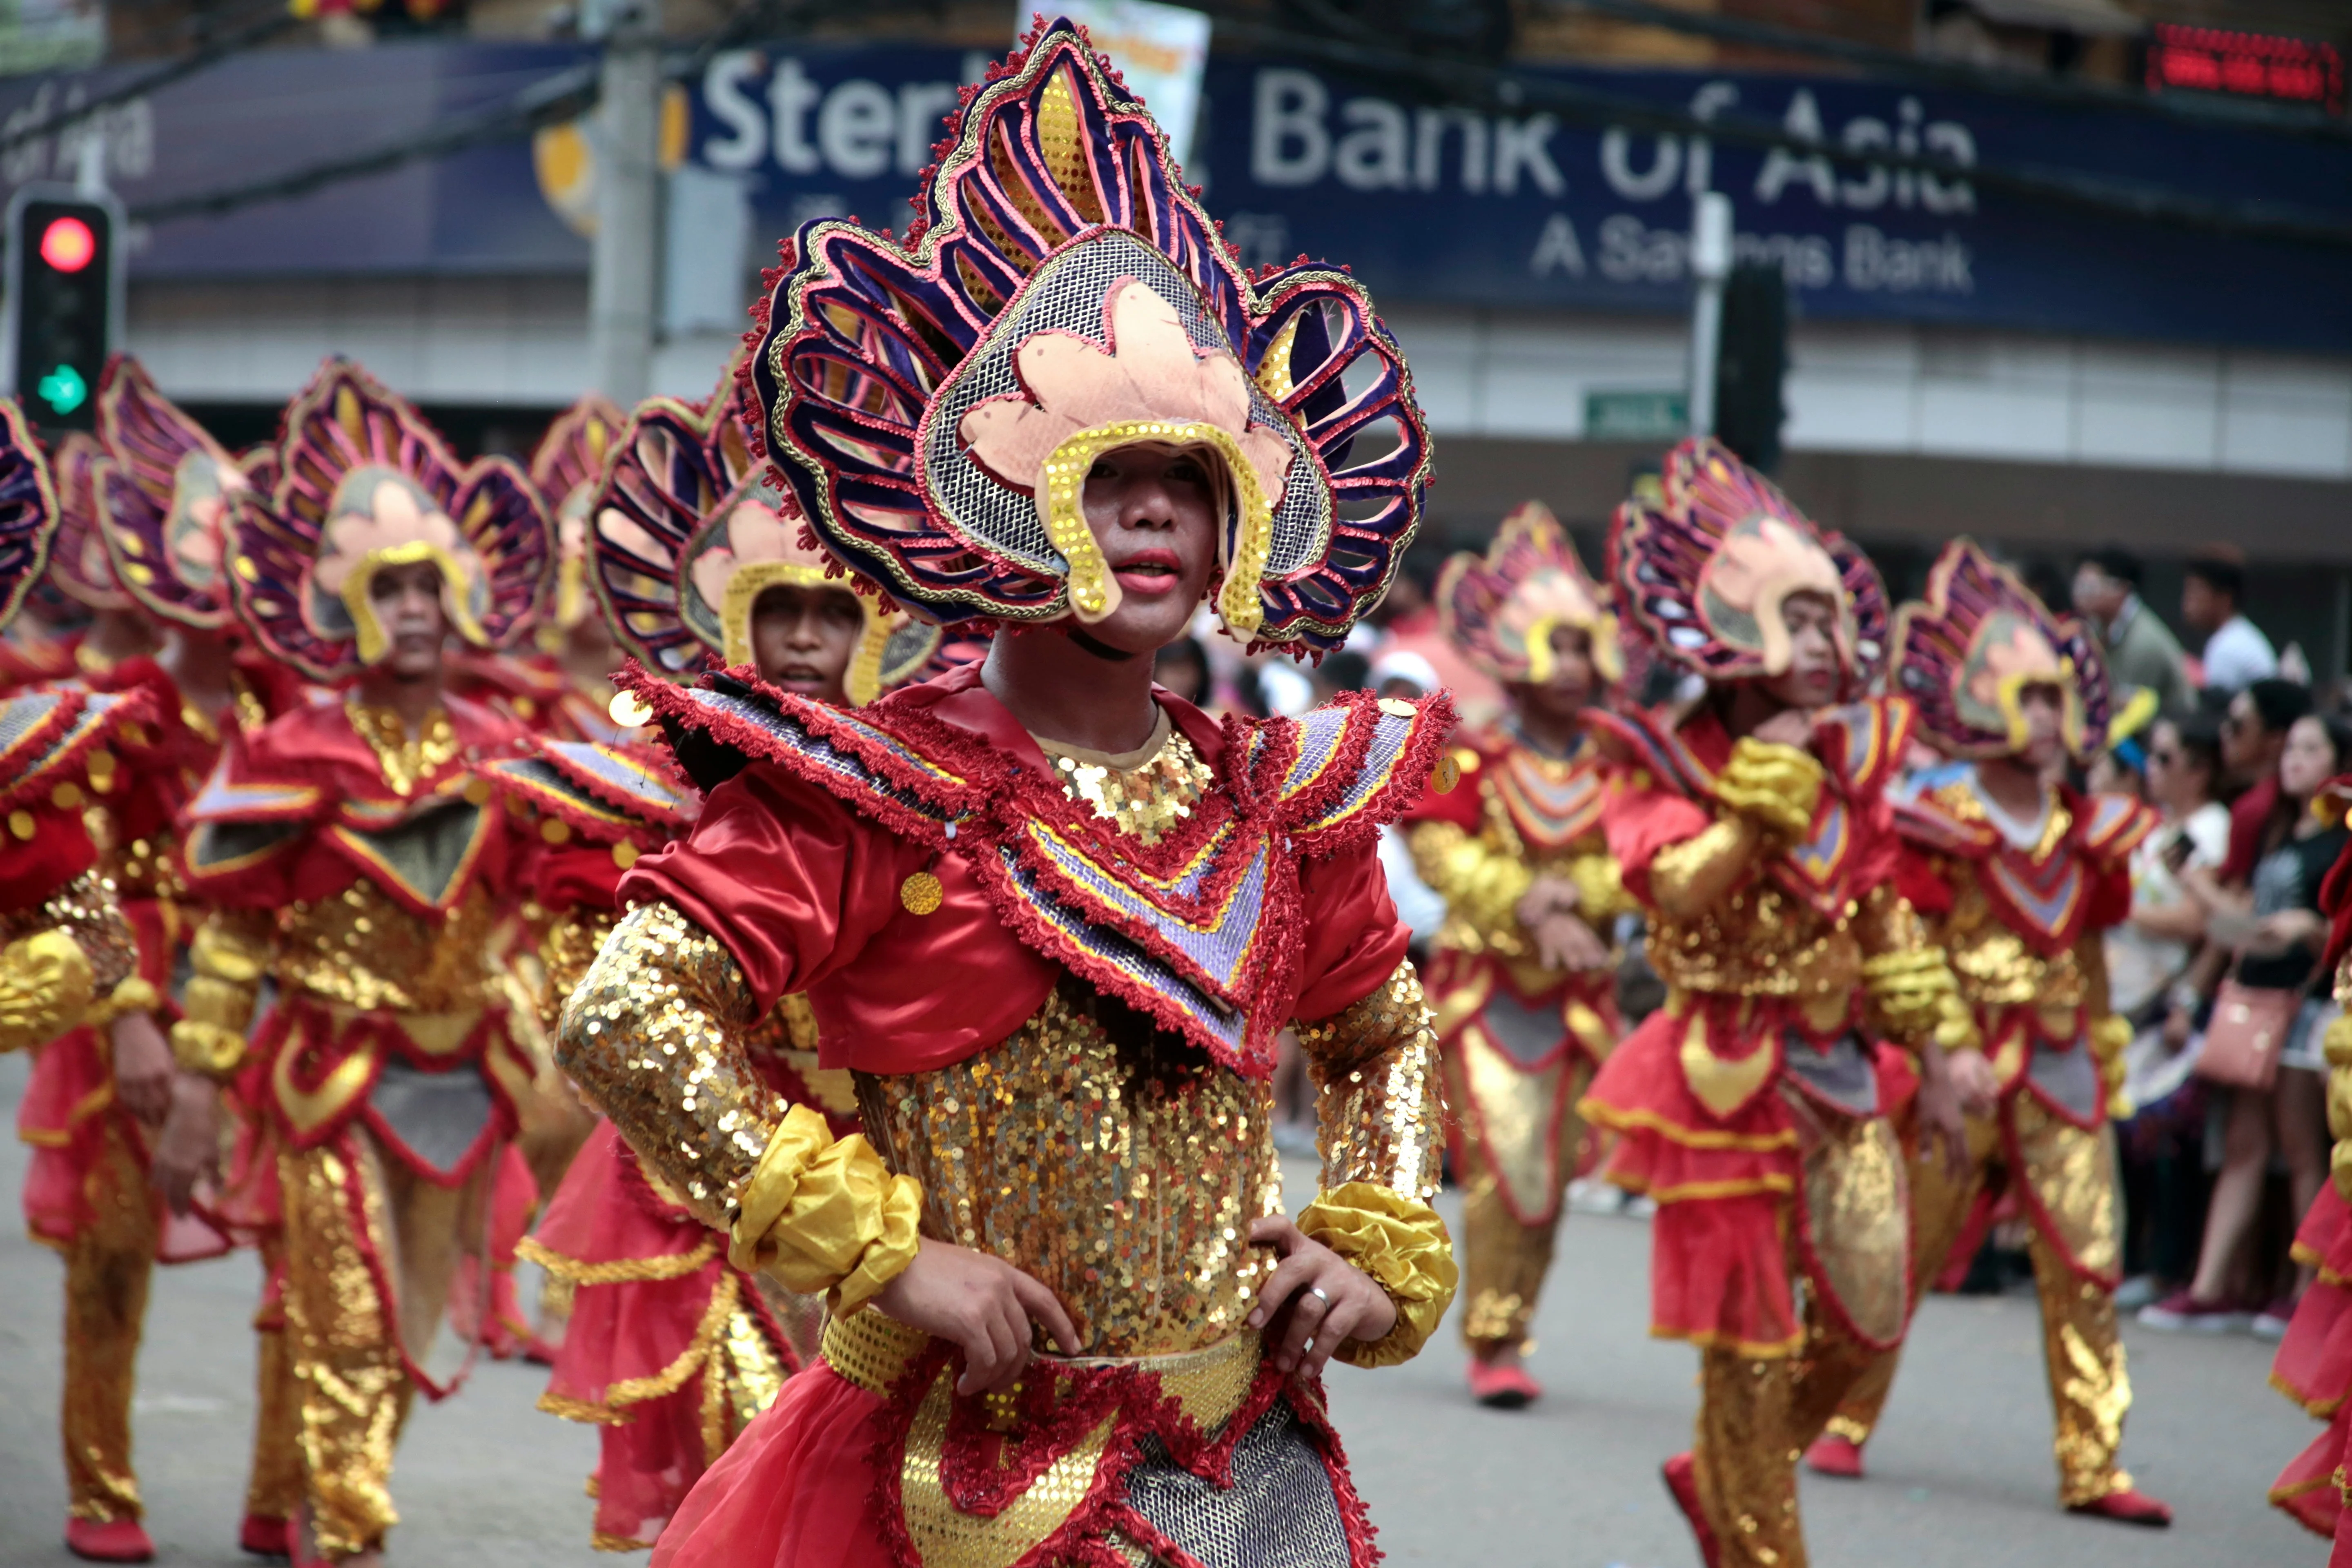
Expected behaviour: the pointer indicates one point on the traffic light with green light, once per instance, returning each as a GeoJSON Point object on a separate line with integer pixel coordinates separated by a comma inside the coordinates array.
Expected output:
{"type": "Point", "coordinates": [63, 293]}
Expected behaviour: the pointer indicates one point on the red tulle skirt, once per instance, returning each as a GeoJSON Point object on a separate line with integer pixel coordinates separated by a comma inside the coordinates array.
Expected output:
{"type": "Point", "coordinates": [2313, 1368]}
{"type": "Point", "coordinates": [647, 1278]}
{"type": "Point", "coordinates": [796, 1489]}
{"type": "Point", "coordinates": [67, 1108]}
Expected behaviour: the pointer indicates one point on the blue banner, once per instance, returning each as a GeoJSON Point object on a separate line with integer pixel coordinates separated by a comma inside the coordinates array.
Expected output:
{"type": "Point", "coordinates": [1427, 204]}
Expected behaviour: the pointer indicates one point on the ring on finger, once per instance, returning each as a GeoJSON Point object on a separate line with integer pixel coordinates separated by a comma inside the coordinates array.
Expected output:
{"type": "Point", "coordinates": [1308, 1348]}
{"type": "Point", "coordinates": [1319, 1294]}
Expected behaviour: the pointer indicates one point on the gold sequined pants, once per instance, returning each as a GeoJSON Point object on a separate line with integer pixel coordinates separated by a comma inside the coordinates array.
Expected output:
{"type": "Point", "coordinates": [345, 1202]}
{"type": "Point", "coordinates": [274, 1486]}
{"type": "Point", "coordinates": [1503, 1260]}
{"type": "Point", "coordinates": [2070, 1174]}
{"type": "Point", "coordinates": [107, 1266]}
{"type": "Point", "coordinates": [1756, 1417]}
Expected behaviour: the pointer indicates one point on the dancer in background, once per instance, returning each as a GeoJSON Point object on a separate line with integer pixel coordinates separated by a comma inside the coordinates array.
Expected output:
{"type": "Point", "coordinates": [1524, 983]}
{"type": "Point", "coordinates": [671, 1349]}
{"type": "Point", "coordinates": [1752, 827]}
{"type": "Point", "coordinates": [2020, 879]}
{"type": "Point", "coordinates": [352, 854]}
{"type": "Point", "coordinates": [1052, 920]}
{"type": "Point", "coordinates": [72, 986]}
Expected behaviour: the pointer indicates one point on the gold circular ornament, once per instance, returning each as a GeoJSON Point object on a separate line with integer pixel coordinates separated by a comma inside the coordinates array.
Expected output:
{"type": "Point", "coordinates": [1398, 708]}
{"type": "Point", "coordinates": [555, 830]}
{"type": "Point", "coordinates": [21, 823]}
{"type": "Point", "coordinates": [625, 854]}
{"type": "Point", "coordinates": [921, 893]}
{"type": "Point", "coordinates": [629, 711]}
{"type": "Point", "coordinates": [66, 795]}
{"type": "Point", "coordinates": [477, 792]}
{"type": "Point", "coordinates": [1445, 774]}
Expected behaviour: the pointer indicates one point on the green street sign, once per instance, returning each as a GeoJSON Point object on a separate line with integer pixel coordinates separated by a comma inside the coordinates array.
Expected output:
{"type": "Point", "coordinates": [1635, 417]}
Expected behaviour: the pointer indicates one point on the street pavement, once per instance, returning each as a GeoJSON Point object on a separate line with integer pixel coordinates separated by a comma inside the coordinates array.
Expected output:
{"type": "Point", "coordinates": [1960, 1472]}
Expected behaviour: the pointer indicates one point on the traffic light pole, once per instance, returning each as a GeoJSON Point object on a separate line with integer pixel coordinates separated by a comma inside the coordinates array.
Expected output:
{"type": "Point", "coordinates": [1711, 266]}
{"type": "Point", "coordinates": [623, 267]}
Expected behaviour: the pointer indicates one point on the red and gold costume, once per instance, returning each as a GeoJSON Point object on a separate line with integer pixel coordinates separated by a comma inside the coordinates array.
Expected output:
{"type": "Point", "coordinates": [1519, 1040]}
{"type": "Point", "coordinates": [70, 964]}
{"type": "Point", "coordinates": [1750, 1105]}
{"type": "Point", "coordinates": [670, 1348]}
{"type": "Point", "coordinates": [366, 871]}
{"type": "Point", "coordinates": [2020, 909]}
{"type": "Point", "coordinates": [1056, 977]}
{"type": "Point", "coordinates": [2314, 1365]}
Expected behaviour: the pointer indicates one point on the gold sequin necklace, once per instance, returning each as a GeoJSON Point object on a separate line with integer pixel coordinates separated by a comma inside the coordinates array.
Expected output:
{"type": "Point", "coordinates": [405, 758]}
{"type": "Point", "coordinates": [1143, 793]}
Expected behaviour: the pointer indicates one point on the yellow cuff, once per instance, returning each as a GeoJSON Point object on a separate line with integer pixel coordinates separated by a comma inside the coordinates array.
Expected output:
{"type": "Point", "coordinates": [133, 996]}
{"type": "Point", "coordinates": [207, 1049]}
{"type": "Point", "coordinates": [2110, 1036]}
{"type": "Point", "coordinates": [1918, 1001]}
{"type": "Point", "coordinates": [1600, 889]}
{"type": "Point", "coordinates": [226, 954]}
{"type": "Point", "coordinates": [45, 985]}
{"type": "Point", "coordinates": [1401, 1244]}
{"type": "Point", "coordinates": [822, 1214]}
{"type": "Point", "coordinates": [1777, 785]}
{"type": "Point", "coordinates": [225, 1004]}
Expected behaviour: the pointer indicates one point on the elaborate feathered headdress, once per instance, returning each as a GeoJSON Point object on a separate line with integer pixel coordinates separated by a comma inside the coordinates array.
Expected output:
{"type": "Point", "coordinates": [1501, 609]}
{"type": "Point", "coordinates": [78, 564]}
{"type": "Point", "coordinates": [565, 467]}
{"type": "Point", "coordinates": [1966, 654]}
{"type": "Point", "coordinates": [164, 492]}
{"type": "Point", "coordinates": [365, 483]}
{"type": "Point", "coordinates": [689, 530]}
{"type": "Point", "coordinates": [1705, 572]}
{"type": "Point", "coordinates": [935, 403]}
{"type": "Point", "coordinates": [28, 511]}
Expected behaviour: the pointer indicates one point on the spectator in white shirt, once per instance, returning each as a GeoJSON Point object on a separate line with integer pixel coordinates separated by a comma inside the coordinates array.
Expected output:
{"type": "Point", "coordinates": [2236, 653]}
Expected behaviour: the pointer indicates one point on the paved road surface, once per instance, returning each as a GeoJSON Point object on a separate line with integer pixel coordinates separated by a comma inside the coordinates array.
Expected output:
{"type": "Point", "coordinates": [1961, 1472]}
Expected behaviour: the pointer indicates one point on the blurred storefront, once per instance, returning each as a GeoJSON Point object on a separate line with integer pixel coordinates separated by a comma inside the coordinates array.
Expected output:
{"type": "Point", "coordinates": [1965, 358]}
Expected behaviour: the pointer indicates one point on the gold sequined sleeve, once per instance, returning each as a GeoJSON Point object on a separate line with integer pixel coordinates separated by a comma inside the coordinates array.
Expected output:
{"type": "Point", "coordinates": [70, 960]}
{"type": "Point", "coordinates": [1380, 1130]}
{"type": "Point", "coordinates": [1688, 879]}
{"type": "Point", "coordinates": [1601, 895]}
{"type": "Point", "coordinates": [655, 1035]}
{"type": "Point", "coordinates": [1909, 994]}
{"type": "Point", "coordinates": [1481, 888]}
{"type": "Point", "coordinates": [230, 954]}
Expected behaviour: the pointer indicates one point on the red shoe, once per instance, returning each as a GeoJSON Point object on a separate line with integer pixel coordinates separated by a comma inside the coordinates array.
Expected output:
{"type": "Point", "coordinates": [1832, 1454]}
{"type": "Point", "coordinates": [2129, 1506]}
{"type": "Point", "coordinates": [265, 1537]}
{"type": "Point", "coordinates": [110, 1541]}
{"type": "Point", "coordinates": [1681, 1485]}
{"type": "Point", "coordinates": [1503, 1387]}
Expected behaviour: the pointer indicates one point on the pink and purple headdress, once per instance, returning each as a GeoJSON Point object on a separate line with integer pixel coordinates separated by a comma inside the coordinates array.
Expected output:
{"type": "Point", "coordinates": [934, 403]}
{"type": "Point", "coordinates": [1704, 573]}
{"type": "Point", "coordinates": [29, 513]}
{"type": "Point", "coordinates": [164, 492]}
{"type": "Point", "coordinates": [1501, 609]}
{"type": "Point", "coordinates": [365, 483]}
{"type": "Point", "coordinates": [1967, 653]}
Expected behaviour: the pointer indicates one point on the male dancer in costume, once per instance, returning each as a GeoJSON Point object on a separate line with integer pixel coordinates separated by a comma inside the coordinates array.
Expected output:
{"type": "Point", "coordinates": [671, 1349]}
{"type": "Point", "coordinates": [121, 1132]}
{"type": "Point", "coordinates": [71, 977]}
{"type": "Point", "coordinates": [1051, 920]}
{"type": "Point", "coordinates": [1523, 985]}
{"type": "Point", "coordinates": [2018, 878]}
{"type": "Point", "coordinates": [1752, 829]}
{"type": "Point", "coordinates": [352, 853]}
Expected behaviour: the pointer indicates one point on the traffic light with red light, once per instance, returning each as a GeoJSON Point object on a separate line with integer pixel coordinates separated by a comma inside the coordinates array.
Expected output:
{"type": "Point", "coordinates": [63, 294]}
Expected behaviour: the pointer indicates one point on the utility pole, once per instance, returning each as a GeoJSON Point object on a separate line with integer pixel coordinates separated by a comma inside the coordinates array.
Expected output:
{"type": "Point", "coordinates": [1710, 265]}
{"type": "Point", "coordinates": [623, 272]}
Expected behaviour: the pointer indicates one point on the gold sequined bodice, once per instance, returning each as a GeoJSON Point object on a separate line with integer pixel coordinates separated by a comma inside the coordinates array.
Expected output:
{"type": "Point", "coordinates": [1995, 965]}
{"type": "Point", "coordinates": [1760, 942]}
{"type": "Point", "coordinates": [1126, 1181]}
{"type": "Point", "coordinates": [361, 949]}
{"type": "Point", "coordinates": [404, 758]}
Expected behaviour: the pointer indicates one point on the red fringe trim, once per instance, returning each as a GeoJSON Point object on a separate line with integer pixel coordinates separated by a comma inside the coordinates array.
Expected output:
{"type": "Point", "coordinates": [51, 762]}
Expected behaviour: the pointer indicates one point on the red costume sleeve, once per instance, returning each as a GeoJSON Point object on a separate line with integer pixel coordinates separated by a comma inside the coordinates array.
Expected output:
{"type": "Point", "coordinates": [1921, 882]}
{"type": "Point", "coordinates": [1354, 940]}
{"type": "Point", "coordinates": [1642, 822]}
{"type": "Point", "coordinates": [2111, 898]}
